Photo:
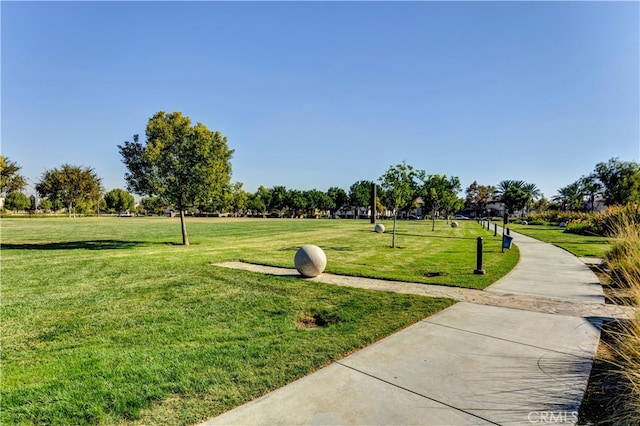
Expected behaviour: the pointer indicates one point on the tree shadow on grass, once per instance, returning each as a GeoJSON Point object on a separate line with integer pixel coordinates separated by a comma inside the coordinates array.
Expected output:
{"type": "Point", "coordinates": [76, 245]}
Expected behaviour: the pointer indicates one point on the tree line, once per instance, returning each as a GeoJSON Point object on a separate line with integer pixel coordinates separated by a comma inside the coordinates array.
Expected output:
{"type": "Point", "coordinates": [185, 167]}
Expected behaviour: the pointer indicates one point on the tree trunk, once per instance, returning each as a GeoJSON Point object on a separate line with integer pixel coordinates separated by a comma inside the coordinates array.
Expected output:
{"type": "Point", "coordinates": [393, 237]}
{"type": "Point", "coordinates": [433, 220]}
{"type": "Point", "coordinates": [185, 238]}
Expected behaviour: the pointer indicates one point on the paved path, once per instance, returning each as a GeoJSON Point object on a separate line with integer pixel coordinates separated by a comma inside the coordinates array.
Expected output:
{"type": "Point", "coordinates": [518, 353]}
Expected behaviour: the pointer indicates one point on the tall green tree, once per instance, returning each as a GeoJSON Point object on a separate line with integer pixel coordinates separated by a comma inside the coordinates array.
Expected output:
{"type": "Point", "coordinates": [533, 194]}
{"type": "Point", "coordinates": [71, 185]}
{"type": "Point", "coordinates": [17, 201]}
{"type": "Point", "coordinates": [181, 163]}
{"type": "Point", "coordinates": [440, 192]}
{"type": "Point", "coordinates": [515, 198]}
{"type": "Point", "coordinates": [359, 195]}
{"type": "Point", "coordinates": [119, 201]}
{"type": "Point", "coordinates": [10, 178]}
{"type": "Point", "coordinates": [259, 201]}
{"type": "Point", "coordinates": [517, 194]}
{"type": "Point", "coordinates": [398, 182]}
{"type": "Point", "coordinates": [279, 200]}
{"type": "Point", "coordinates": [570, 197]}
{"type": "Point", "coordinates": [621, 181]}
{"type": "Point", "coordinates": [591, 187]}
{"type": "Point", "coordinates": [339, 199]}
{"type": "Point", "coordinates": [153, 205]}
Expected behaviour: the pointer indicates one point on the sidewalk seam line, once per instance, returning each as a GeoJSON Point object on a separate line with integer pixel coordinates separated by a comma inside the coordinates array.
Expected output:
{"type": "Point", "coordinates": [417, 393]}
{"type": "Point", "coordinates": [426, 320]}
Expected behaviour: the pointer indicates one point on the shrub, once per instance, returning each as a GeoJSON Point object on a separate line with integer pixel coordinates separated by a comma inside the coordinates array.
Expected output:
{"type": "Point", "coordinates": [623, 262]}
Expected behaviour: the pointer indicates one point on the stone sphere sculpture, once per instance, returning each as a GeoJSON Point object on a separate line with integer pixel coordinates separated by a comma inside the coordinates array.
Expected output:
{"type": "Point", "coordinates": [310, 261]}
{"type": "Point", "coordinates": [454, 224]}
{"type": "Point", "coordinates": [379, 228]}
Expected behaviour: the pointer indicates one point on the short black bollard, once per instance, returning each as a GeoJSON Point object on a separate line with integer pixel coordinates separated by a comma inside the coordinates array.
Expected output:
{"type": "Point", "coordinates": [479, 270]}
{"type": "Point", "coordinates": [495, 229]}
{"type": "Point", "coordinates": [508, 233]}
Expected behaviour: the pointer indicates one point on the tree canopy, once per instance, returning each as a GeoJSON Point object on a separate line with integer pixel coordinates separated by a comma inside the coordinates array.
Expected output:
{"type": "Point", "coordinates": [360, 195]}
{"type": "Point", "coordinates": [10, 178]}
{"type": "Point", "coordinates": [439, 192]}
{"type": "Point", "coordinates": [178, 162]}
{"type": "Point", "coordinates": [17, 201]}
{"type": "Point", "coordinates": [119, 201]}
{"type": "Point", "coordinates": [621, 181]}
{"type": "Point", "coordinates": [398, 184]}
{"type": "Point", "coordinates": [71, 185]}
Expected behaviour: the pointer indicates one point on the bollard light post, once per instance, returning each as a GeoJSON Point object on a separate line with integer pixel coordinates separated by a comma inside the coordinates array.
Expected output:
{"type": "Point", "coordinates": [479, 270]}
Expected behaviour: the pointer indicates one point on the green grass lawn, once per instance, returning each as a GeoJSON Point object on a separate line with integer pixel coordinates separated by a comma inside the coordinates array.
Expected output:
{"type": "Point", "coordinates": [579, 245]}
{"type": "Point", "coordinates": [112, 321]}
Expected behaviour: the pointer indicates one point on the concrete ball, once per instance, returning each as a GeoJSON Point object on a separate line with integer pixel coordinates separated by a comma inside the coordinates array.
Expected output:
{"type": "Point", "coordinates": [454, 224]}
{"type": "Point", "coordinates": [379, 228]}
{"type": "Point", "coordinates": [310, 261]}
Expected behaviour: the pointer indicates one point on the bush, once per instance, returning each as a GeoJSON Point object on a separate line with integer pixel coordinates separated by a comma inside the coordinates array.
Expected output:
{"type": "Point", "coordinates": [623, 262]}
{"type": "Point", "coordinates": [605, 224]}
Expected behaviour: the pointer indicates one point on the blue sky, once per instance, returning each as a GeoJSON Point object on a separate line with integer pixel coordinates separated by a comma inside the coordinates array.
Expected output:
{"type": "Point", "coordinates": [321, 94]}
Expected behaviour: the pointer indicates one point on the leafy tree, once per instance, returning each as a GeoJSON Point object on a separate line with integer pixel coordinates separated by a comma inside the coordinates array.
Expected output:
{"type": "Point", "coordinates": [591, 188]}
{"type": "Point", "coordinates": [517, 194]}
{"type": "Point", "coordinates": [259, 201]}
{"type": "Point", "coordinates": [46, 204]}
{"type": "Point", "coordinates": [479, 196]}
{"type": "Point", "coordinates": [533, 193]}
{"type": "Point", "coordinates": [239, 197]}
{"type": "Point", "coordinates": [17, 201]}
{"type": "Point", "coordinates": [119, 200]}
{"type": "Point", "coordinates": [296, 202]}
{"type": "Point", "coordinates": [359, 195]}
{"type": "Point", "coordinates": [515, 198]}
{"type": "Point", "coordinates": [10, 178]}
{"type": "Point", "coordinates": [317, 200]}
{"type": "Point", "coordinates": [338, 197]}
{"type": "Point", "coordinates": [154, 205]}
{"type": "Point", "coordinates": [570, 197]}
{"type": "Point", "coordinates": [398, 183]}
{"type": "Point", "coordinates": [70, 185]}
{"type": "Point", "coordinates": [279, 200]}
{"type": "Point", "coordinates": [540, 205]}
{"type": "Point", "coordinates": [180, 163]}
{"type": "Point", "coordinates": [439, 192]}
{"type": "Point", "coordinates": [621, 181]}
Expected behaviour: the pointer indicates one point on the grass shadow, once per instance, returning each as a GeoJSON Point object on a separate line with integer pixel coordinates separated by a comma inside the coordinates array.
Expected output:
{"type": "Point", "coordinates": [77, 245]}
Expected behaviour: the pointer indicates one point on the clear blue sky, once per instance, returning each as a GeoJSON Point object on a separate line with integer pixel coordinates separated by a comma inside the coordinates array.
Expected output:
{"type": "Point", "coordinates": [314, 95]}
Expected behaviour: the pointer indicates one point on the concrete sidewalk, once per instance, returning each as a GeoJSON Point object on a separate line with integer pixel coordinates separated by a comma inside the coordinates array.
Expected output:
{"type": "Point", "coordinates": [469, 364]}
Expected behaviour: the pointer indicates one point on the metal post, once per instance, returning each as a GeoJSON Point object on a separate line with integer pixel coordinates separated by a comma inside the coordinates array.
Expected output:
{"type": "Point", "coordinates": [508, 232]}
{"type": "Point", "coordinates": [495, 229]}
{"type": "Point", "coordinates": [479, 270]}
{"type": "Point", "coordinates": [373, 202]}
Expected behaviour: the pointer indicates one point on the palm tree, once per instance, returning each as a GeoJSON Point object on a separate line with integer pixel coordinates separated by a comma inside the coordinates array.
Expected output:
{"type": "Point", "coordinates": [534, 193]}
{"type": "Point", "coordinates": [591, 187]}
{"type": "Point", "coordinates": [570, 196]}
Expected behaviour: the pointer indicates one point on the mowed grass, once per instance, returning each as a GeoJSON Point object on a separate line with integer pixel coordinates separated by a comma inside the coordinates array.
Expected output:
{"type": "Point", "coordinates": [578, 245]}
{"type": "Point", "coordinates": [111, 320]}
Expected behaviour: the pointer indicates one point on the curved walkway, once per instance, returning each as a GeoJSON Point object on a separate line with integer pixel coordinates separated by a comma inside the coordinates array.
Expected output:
{"type": "Point", "coordinates": [517, 353]}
